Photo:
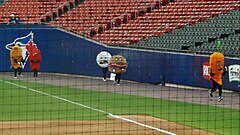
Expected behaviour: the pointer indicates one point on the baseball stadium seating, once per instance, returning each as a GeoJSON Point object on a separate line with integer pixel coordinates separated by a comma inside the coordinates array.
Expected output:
{"type": "Point", "coordinates": [167, 18]}
{"type": "Point", "coordinates": [93, 17]}
{"type": "Point", "coordinates": [201, 37]}
{"type": "Point", "coordinates": [175, 25]}
{"type": "Point", "coordinates": [32, 11]}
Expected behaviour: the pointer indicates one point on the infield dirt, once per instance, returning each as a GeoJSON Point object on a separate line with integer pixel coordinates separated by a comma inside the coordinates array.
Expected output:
{"type": "Point", "coordinates": [98, 127]}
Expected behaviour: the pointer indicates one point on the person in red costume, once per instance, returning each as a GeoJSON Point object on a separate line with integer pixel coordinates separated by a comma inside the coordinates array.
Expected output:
{"type": "Point", "coordinates": [35, 59]}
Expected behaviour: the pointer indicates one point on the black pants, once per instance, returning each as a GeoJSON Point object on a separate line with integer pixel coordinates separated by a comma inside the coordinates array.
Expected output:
{"type": "Point", "coordinates": [118, 78]}
{"type": "Point", "coordinates": [104, 72]}
{"type": "Point", "coordinates": [216, 86]}
{"type": "Point", "coordinates": [17, 71]}
{"type": "Point", "coordinates": [35, 73]}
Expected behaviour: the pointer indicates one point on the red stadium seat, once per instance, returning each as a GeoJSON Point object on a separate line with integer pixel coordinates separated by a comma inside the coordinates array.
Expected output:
{"type": "Point", "coordinates": [167, 18]}
{"type": "Point", "coordinates": [22, 8]}
{"type": "Point", "coordinates": [109, 13]}
{"type": "Point", "coordinates": [111, 20]}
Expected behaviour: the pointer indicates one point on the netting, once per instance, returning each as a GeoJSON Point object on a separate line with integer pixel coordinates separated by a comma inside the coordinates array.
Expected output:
{"type": "Point", "coordinates": [55, 82]}
{"type": "Point", "coordinates": [145, 102]}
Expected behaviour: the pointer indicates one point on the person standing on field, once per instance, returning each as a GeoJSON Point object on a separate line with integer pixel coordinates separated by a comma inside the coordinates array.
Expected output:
{"type": "Point", "coordinates": [16, 60]}
{"type": "Point", "coordinates": [35, 59]}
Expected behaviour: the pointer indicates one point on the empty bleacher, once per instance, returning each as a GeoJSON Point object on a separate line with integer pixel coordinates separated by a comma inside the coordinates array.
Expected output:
{"type": "Point", "coordinates": [30, 11]}
{"type": "Point", "coordinates": [179, 25]}
{"type": "Point", "coordinates": [201, 37]}
{"type": "Point", "coordinates": [93, 16]}
{"type": "Point", "coordinates": [167, 18]}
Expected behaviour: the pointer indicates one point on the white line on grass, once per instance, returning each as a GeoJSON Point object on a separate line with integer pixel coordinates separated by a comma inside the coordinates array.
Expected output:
{"type": "Point", "coordinates": [91, 108]}
{"type": "Point", "coordinates": [63, 99]}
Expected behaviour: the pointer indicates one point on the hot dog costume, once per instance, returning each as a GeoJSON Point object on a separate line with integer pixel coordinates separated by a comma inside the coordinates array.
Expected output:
{"type": "Point", "coordinates": [35, 59]}
{"type": "Point", "coordinates": [118, 65]}
{"type": "Point", "coordinates": [217, 70]}
{"type": "Point", "coordinates": [16, 59]}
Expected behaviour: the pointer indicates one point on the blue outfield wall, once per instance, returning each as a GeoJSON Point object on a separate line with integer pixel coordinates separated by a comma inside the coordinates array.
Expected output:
{"type": "Point", "coordinates": [63, 52]}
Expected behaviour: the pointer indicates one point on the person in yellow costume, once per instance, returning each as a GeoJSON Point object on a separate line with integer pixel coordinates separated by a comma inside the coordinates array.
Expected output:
{"type": "Point", "coordinates": [16, 59]}
{"type": "Point", "coordinates": [217, 70]}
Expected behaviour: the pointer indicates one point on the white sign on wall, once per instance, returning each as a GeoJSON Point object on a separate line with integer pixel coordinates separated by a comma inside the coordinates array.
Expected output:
{"type": "Point", "coordinates": [234, 73]}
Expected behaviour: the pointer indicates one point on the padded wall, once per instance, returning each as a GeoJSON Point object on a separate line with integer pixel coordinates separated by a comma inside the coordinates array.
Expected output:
{"type": "Point", "coordinates": [67, 53]}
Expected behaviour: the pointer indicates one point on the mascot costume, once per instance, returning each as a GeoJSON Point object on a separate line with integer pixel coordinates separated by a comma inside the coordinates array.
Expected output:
{"type": "Point", "coordinates": [35, 59]}
{"type": "Point", "coordinates": [217, 70]}
{"type": "Point", "coordinates": [102, 60]}
{"type": "Point", "coordinates": [117, 65]}
{"type": "Point", "coordinates": [16, 60]}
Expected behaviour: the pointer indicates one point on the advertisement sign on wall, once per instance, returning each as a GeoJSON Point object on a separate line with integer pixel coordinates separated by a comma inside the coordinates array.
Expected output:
{"type": "Point", "coordinates": [234, 73]}
{"type": "Point", "coordinates": [206, 70]}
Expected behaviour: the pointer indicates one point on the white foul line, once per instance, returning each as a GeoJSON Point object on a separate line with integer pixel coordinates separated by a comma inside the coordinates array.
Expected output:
{"type": "Point", "coordinates": [147, 126]}
{"type": "Point", "coordinates": [63, 99]}
{"type": "Point", "coordinates": [91, 108]}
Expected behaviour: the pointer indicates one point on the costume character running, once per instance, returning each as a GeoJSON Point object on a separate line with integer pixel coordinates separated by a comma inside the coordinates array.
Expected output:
{"type": "Point", "coordinates": [217, 70]}
{"type": "Point", "coordinates": [102, 60]}
{"type": "Point", "coordinates": [118, 65]}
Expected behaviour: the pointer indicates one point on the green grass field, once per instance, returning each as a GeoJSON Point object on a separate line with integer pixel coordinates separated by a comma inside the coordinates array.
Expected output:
{"type": "Point", "coordinates": [23, 104]}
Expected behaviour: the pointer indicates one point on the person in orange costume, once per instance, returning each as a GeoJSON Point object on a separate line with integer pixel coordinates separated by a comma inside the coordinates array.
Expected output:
{"type": "Point", "coordinates": [217, 70]}
{"type": "Point", "coordinates": [16, 59]}
{"type": "Point", "coordinates": [35, 59]}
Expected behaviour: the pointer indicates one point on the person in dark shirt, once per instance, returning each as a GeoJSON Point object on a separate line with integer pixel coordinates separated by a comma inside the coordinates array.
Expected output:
{"type": "Point", "coordinates": [12, 19]}
{"type": "Point", "coordinates": [18, 20]}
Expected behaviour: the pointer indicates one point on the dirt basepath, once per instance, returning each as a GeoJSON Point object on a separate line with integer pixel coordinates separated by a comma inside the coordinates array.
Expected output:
{"type": "Point", "coordinates": [98, 127]}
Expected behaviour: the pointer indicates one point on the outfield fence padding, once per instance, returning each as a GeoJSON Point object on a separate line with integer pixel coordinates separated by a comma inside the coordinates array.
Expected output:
{"type": "Point", "coordinates": [63, 52]}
